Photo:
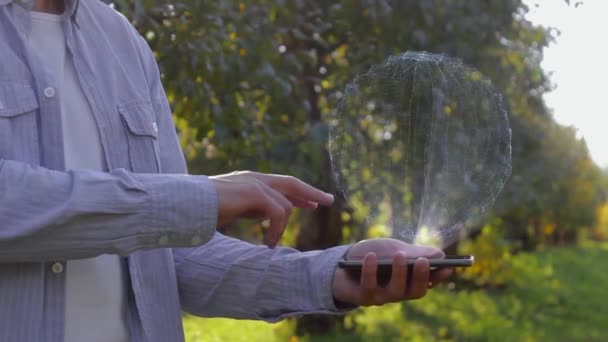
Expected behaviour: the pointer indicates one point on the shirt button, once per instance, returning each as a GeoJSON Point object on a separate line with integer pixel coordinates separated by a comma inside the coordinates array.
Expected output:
{"type": "Point", "coordinates": [196, 240]}
{"type": "Point", "coordinates": [155, 127]}
{"type": "Point", "coordinates": [49, 92]}
{"type": "Point", "coordinates": [57, 268]}
{"type": "Point", "coordinates": [163, 240]}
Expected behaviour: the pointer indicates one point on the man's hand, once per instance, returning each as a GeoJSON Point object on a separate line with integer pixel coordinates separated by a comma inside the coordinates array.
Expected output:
{"type": "Point", "coordinates": [248, 194]}
{"type": "Point", "coordinates": [366, 291]}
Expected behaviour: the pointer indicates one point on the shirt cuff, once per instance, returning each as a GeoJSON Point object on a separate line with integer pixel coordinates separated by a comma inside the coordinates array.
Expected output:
{"type": "Point", "coordinates": [183, 208]}
{"type": "Point", "coordinates": [323, 275]}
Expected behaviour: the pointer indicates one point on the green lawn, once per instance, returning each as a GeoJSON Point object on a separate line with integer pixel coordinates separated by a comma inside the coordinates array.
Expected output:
{"type": "Point", "coordinates": [555, 295]}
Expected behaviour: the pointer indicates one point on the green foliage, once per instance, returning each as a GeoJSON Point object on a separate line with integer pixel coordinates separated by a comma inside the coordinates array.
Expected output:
{"type": "Point", "coordinates": [600, 231]}
{"type": "Point", "coordinates": [553, 295]}
{"type": "Point", "coordinates": [492, 268]}
{"type": "Point", "coordinates": [558, 192]}
{"type": "Point", "coordinates": [252, 84]}
{"type": "Point", "coordinates": [221, 329]}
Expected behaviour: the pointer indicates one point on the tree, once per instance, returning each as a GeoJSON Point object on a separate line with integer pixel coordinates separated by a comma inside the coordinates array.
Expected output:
{"type": "Point", "coordinates": [252, 84]}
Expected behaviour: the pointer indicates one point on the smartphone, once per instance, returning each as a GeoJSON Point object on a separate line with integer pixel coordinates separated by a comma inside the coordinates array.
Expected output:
{"type": "Point", "coordinates": [385, 267]}
{"type": "Point", "coordinates": [448, 261]}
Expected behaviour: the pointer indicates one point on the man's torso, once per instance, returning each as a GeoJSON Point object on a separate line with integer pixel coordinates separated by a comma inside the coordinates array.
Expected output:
{"type": "Point", "coordinates": [107, 61]}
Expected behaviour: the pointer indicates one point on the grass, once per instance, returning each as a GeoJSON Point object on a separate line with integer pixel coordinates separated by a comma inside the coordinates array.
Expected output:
{"type": "Point", "coordinates": [558, 294]}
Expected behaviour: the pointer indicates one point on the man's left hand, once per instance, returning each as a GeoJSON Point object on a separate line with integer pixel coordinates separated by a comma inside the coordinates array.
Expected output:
{"type": "Point", "coordinates": [366, 291]}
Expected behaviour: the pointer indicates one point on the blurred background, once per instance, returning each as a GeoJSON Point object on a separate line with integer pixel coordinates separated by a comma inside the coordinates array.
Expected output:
{"type": "Point", "coordinates": [251, 84]}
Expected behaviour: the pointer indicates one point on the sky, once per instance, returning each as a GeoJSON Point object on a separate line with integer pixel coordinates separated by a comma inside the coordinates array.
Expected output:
{"type": "Point", "coordinates": [578, 63]}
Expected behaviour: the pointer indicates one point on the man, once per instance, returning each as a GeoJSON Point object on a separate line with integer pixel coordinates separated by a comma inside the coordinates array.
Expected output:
{"type": "Point", "coordinates": [100, 225]}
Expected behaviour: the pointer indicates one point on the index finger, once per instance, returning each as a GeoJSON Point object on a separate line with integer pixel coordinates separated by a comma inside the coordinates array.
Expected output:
{"type": "Point", "coordinates": [294, 187]}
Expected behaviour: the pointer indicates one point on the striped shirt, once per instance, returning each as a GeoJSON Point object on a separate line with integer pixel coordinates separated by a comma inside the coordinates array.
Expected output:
{"type": "Point", "coordinates": [145, 207]}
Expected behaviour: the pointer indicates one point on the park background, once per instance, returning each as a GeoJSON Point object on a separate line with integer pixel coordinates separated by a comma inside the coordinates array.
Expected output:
{"type": "Point", "coordinates": [251, 84]}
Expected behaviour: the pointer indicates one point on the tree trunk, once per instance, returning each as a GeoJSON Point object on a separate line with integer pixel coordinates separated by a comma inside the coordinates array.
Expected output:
{"type": "Point", "coordinates": [321, 228]}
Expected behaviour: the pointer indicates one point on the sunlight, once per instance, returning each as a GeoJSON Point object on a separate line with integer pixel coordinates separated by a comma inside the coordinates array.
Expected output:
{"type": "Point", "coordinates": [575, 63]}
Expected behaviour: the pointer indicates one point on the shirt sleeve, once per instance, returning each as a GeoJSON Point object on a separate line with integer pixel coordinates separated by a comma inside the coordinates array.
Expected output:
{"type": "Point", "coordinates": [51, 215]}
{"type": "Point", "coordinates": [230, 278]}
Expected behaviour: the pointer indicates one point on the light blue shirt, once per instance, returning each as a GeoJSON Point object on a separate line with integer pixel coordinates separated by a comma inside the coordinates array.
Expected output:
{"type": "Point", "coordinates": [145, 207]}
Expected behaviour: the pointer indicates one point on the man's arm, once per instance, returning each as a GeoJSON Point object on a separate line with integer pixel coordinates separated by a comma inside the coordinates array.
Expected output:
{"type": "Point", "coordinates": [51, 215]}
{"type": "Point", "coordinates": [231, 278]}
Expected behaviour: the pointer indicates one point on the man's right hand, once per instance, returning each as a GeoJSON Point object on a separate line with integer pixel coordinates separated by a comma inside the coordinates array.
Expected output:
{"type": "Point", "coordinates": [247, 194]}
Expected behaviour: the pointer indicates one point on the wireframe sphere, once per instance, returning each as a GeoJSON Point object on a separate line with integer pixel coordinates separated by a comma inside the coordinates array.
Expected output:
{"type": "Point", "coordinates": [423, 143]}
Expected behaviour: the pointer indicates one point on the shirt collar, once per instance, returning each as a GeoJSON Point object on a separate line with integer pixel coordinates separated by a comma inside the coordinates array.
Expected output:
{"type": "Point", "coordinates": [71, 6]}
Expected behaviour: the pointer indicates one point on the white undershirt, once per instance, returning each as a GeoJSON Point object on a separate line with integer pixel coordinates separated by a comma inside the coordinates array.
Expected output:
{"type": "Point", "coordinates": [95, 288]}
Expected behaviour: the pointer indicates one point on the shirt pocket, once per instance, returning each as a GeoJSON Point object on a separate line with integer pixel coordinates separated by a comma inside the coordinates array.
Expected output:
{"type": "Point", "coordinates": [18, 122]}
{"type": "Point", "coordinates": [142, 136]}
